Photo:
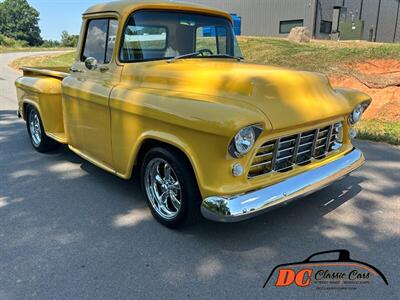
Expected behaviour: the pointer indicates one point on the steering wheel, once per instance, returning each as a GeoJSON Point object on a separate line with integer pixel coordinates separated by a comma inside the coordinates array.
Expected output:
{"type": "Point", "coordinates": [203, 51]}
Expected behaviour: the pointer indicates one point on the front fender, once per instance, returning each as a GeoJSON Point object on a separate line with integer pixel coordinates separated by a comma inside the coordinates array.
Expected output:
{"type": "Point", "coordinates": [166, 138]}
{"type": "Point", "coordinates": [200, 128]}
{"type": "Point", "coordinates": [354, 97]}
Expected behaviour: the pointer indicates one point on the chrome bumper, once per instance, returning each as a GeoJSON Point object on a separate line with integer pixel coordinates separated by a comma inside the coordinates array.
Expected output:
{"type": "Point", "coordinates": [241, 207]}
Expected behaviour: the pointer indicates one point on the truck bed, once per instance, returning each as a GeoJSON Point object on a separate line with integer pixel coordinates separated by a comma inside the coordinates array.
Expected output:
{"type": "Point", "coordinates": [41, 87]}
{"type": "Point", "coordinates": [57, 72]}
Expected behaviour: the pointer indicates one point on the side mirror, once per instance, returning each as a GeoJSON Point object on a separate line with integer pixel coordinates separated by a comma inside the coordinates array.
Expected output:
{"type": "Point", "coordinates": [91, 63]}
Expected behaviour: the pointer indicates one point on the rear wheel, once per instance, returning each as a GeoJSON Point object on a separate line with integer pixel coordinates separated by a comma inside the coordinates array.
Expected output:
{"type": "Point", "coordinates": [40, 141]}
{"type": "Point", "coordinates": [170, 187]}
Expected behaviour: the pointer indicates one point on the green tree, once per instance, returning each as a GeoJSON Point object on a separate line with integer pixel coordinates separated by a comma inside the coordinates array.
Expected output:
{"type": "Point", "coordinates": [20, 21]}
{"type": "Point", "coordinates": [69, 40]}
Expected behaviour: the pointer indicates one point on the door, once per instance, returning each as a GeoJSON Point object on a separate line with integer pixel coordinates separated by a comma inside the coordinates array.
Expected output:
{"type": "Point", "coordinates": [86, 92]}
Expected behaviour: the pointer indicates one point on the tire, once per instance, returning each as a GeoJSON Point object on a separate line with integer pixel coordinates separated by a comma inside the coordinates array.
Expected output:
{"type": "Point", "coordinates": [39, 140]}
{"type": "Point", "coordinates": [188, 195]}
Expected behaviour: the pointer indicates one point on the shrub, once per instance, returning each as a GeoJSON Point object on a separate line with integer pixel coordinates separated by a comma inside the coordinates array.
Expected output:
{"type": "Point", "coordinates": [11, 43]}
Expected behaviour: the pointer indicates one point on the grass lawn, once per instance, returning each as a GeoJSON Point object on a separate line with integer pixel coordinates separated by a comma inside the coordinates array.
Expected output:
{"type": "Point", "coordinates": [51, 60]}
{"type": "Point", "coordinates": [332, 58]}
{"type": "Point", "coordinates": [379, 131]}
{"type": "Point", "coordinates": [323, 56]}
{"type": "Point", "coordinates": [29, 49]}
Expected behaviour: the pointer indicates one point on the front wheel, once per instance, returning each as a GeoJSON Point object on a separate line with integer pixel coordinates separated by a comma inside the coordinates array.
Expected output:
{"type": "Point", "coordinates": [40, 141]}
{"type": "Point", "coordinates": [170, 187]}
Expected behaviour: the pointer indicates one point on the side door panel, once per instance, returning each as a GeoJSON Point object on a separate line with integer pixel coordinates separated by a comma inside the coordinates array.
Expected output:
{"type": "Point", "coordinates": [86, 94]}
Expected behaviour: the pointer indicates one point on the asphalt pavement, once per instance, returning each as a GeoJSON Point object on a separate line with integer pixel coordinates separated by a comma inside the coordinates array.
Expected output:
{"type": "Point", "coordinates": [69, 230]}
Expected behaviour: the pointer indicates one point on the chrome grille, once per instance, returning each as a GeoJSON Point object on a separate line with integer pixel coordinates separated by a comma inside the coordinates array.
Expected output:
{"type": "Point", "coordinates": [283, 154]}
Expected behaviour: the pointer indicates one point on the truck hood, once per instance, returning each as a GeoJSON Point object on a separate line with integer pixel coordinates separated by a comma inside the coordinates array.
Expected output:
{"type": "Point", "coordinates": [286, 97]}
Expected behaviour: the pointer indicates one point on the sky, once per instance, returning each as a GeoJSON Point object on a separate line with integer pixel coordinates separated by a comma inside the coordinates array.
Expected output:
{"type": "Point", "coordinates": [59, 15]}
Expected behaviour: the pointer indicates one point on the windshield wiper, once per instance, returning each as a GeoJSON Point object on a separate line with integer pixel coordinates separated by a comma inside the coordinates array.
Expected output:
{"type": "Point", "coordinates": [194, 54]}
{"type": "Point", "coordinates": [238, 58]}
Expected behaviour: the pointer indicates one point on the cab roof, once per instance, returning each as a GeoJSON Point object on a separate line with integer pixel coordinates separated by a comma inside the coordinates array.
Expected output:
{"type": "Point", "coordinates": [126, 7]}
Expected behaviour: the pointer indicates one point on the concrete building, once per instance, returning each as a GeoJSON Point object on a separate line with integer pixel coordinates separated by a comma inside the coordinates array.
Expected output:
{"type": "Point", "coordinates": [374, 20]}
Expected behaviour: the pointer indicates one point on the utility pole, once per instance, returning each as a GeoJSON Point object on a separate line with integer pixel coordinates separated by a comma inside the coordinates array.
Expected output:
{"type": "Point", "coordinates": [397, 22]}
{"type": "Point", "coordinates": [361, 9]}
{"type": "Point", "coordinates": [316, 18]}
{"type": "Point", "coordinates": [377, 20]}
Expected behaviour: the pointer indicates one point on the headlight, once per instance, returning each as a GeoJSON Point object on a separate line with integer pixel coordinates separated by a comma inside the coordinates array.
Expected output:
{"type": "Point", "coordinates": [356, 115]}
{"type": "Point", "coordinates": [244, 140]}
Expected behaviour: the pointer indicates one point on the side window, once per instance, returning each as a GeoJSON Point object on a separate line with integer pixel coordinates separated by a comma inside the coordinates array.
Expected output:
{"type": "Point", "coordinates": [112, 37]}
{"type": "Point", "coordinates": [142, 42]}
{"type": "Point", "coordinates": [206, 39]}
{"type": "Point", "coordinates": [100, 40]}
{"type": "Point", "coordinates": [287, 26]}
{"type": "Point", "coordinates": [222, 40]}
{"type": "Point", "coordinates": [213, 38]}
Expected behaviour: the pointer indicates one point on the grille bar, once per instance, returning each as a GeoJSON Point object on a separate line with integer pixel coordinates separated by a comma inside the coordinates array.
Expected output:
{"type": "Point", "coordinates": [314, 142]}
{"type": "Point", "coordinates": [261, 164]}
{"type": "Point", "coordinates": [328, 139]}
{"type": "Point", "coordinates": [264, 154]}
{"type": "Point", "coordinates": [276, 148]}
{"type": "Point", "coordinates": [282, 154]}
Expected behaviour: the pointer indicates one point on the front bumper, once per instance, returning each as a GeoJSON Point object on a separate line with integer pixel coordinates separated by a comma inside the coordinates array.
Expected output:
{"type": "Point", "coordinates": [241, 207]}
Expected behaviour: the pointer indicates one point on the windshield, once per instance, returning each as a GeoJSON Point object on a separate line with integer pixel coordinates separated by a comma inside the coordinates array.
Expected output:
{"type": "Point", "coordinates": [153, 35]}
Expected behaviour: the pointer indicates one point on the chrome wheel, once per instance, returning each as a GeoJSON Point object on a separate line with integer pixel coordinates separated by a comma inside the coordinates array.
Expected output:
{"type": "Point", "coordinates": [163, 188]}
{"type": "Point", "coordinates": [34, 127]}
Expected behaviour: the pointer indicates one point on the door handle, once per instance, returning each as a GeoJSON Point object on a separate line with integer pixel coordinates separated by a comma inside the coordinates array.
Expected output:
{"type": "Point", "coordinates": [75, 70]}
{"type": "Point", "coordinates": [104, 69]}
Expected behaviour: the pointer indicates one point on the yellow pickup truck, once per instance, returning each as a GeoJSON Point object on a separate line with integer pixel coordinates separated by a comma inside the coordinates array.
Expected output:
{"type": "Point", "coordinates": [160, 89]}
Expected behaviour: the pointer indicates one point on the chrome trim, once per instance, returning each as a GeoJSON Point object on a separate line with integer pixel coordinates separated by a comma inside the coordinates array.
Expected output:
{"type": "Point", "coordinates": [264, 155]}
{"type": "Point", "coordinates": [296, 148]}
{"type": "Point", "coordinates": [316, 137]}
{"type": "Point", "coordinates": [261, 164]}
{"type": "Point", "coordinates": [292, 150]}
{"type": "Point", "coordinates": [163, 188]}
{"type": "Point", "coordinates": [329, 138]}
{"type": "Point", "coordinates": [275, 155]}
{"type": "Point", "coordinates": [35, 128]}
{"type": "Point", "coordinates": [241, 207]}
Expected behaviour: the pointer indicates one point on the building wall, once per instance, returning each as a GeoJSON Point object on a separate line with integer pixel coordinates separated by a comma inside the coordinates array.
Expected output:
{"type": "Point", "coordinates": [387, 20]}
{"type": "Point", "coordinates": [369, 15]}
{"type": "Point", "coordinates": [367, 11]}
{"type": "Point", "coordinates": [262, 17]}
{"type": "Point", "coordinates": [398, 30]}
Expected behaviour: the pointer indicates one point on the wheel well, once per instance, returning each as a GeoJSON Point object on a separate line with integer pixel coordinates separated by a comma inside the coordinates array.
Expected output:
{"type": "Point", "coordinates": [152, 143]}
{"type": "Point", "coordinates": [24, 109]}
